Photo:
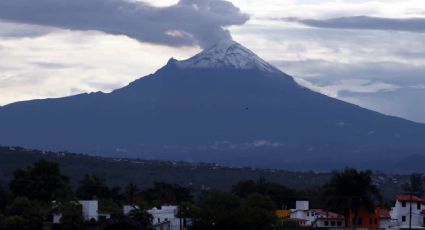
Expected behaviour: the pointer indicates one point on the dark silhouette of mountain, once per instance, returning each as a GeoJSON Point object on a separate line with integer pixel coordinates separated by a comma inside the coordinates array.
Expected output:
{"type": "Point", "coordinates": [224, 105]}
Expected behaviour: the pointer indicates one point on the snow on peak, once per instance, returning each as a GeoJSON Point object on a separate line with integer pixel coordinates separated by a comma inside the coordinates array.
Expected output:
{"type": "Point", "coordinates": [227, 54]}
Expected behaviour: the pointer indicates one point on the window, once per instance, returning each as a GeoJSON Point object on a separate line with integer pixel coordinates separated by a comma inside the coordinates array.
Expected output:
{"type": "Point", "coordinates": [403, 204]}
{"type": "Point", "coordinates": [339, 224]}
{"type": "Point", "coordinates": [332, 223]}
{"type": "Point", "coordinates": [159, 220]}
{"type": "Point", "coordinates": [326, 223]}
{"type": "Point", "coordinates": [308, 213]}
{"type": "Point", "coordinates": [376, 221]}
{"type": "Point", "coordinates": [418, 205]}
{"type": "Point", "coordinates": [403, 218]}
{"type": "Point", "coordinates": [360, 221]}
{"type": "Point", "coordinates": [370, 220]}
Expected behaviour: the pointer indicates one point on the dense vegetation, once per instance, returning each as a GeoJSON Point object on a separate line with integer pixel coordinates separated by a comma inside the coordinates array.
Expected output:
{"type": "Point", "coordinates": [39, 190]}
{"type": "Point", "coordinates": [197, 176]}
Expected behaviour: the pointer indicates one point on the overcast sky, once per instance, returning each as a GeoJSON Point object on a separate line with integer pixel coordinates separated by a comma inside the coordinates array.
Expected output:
{"type": "Point", "coordinates": [368, 52]}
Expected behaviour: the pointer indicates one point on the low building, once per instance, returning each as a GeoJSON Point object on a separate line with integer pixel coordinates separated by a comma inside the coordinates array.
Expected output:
{"type": "Point", "coordinates": [165, 218]}
{"type": "Point", "coordinates": [316, 218]}
{"type": "Point", "coordinates": [385, 220]}
{"type": "Point", "coordinates": [378, 218]}
{"type": "Point", "coordinates": [90, 209]}
{"type": "Point", "coordinates": [408, 212]}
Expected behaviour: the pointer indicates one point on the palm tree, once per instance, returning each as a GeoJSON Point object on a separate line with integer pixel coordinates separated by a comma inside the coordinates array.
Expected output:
{"type": "Point", "coordinates": [350, 190]}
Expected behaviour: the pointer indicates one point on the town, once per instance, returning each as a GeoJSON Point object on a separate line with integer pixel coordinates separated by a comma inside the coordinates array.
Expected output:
{"type": "Point", "coordinates": [40, 197]}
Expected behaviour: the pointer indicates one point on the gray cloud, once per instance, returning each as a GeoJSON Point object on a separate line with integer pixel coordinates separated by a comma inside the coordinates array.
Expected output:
{"type": "Point", "coordinates": [389, 88]}
{"type": "Point", "coordinates": [188, 22]}
{"type": "Point", "coordinates": [366, 23]}
{"type": "Point", "coordinates": [16, 30]}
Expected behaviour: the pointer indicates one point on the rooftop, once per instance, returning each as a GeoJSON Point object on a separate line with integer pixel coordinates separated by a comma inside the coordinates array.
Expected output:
{"type": "Point", "coordinates": [408, 198]}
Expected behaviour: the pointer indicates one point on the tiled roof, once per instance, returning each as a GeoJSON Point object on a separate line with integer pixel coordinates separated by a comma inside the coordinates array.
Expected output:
{"type": "Point", "coordinates": [409, 198]}
{"type": "Point", "coordinates": [326, 214]}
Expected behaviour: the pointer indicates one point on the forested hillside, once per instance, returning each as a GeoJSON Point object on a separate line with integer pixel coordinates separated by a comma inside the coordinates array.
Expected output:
{"type": "Point", "coordinates": [198, 176]}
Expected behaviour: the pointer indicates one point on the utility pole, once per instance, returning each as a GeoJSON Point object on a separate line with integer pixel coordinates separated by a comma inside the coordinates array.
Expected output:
{"type": "Point", "coordinates": [180, 217]}
{"type": "Point", "coordinates": [410, 210]}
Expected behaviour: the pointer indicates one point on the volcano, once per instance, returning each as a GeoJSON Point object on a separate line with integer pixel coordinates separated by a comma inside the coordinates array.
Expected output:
{"type": "Point", "coordinates": [224, 105]}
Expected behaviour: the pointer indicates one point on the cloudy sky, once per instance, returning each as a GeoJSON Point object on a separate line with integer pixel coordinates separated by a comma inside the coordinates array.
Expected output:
{"type": "Point", "coordinates": [368, 52]}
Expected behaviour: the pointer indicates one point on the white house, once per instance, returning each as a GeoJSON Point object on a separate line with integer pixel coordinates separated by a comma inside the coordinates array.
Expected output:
{"type": "Point", "coordinates": [165, 218]}
{"type": "Point", "coordinates": [317, 218]}
{"type": "Point", "coordinates": [408, 207]}
{"type": "Point", "coordinates": [90, 209]}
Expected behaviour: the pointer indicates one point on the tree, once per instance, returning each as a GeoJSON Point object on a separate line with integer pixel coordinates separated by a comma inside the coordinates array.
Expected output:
{"type": "Point", "coordinates": [257, 213]}
{"type": "Point", "coordinates": [351, 190]}
{"type": "Point", "coordinates": [32, 212]}
{"type": "Point", "coordinates": [40, 181]}
{"type": "Point", "coordinates": [415, 185]}
{"type": "Point", "coordinates": [131, 192]}
{"type": "Point", "coordinates": [72, 217]}
{"type": "Point", "coordinates": [287, 224]}
{"type": "Point", "coordinates": [120, 223]}
{"type": "Point", "coordinates": [280, 195]}
{"type": "Point", "coordinates": [225, 211]}
{"type": "Point", "coordinates": [142, 217]}
{"type": "Point", "coordinates": [91, 187]}
{"type": "Point", "coordinates": [218, 211]}
{"type": "Point", "coordinates": [16, 223]}
{"type": "Point", "coordinates": [5, 198]}
{"type": "Point", "coordinates": [163, 193]}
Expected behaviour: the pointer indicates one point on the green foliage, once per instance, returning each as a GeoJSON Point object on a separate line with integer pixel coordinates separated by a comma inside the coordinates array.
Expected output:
{"type": "Point", "coordinates": [287, 225]}
{"type": "Point", "coordinates": [218, 211]}
{"type": "Point", "coordinates": [2, 221]}
{"type": "Point", "coordinates": [131, 193]}
{"type": "Point", "coordinates": [257, 213]}
{"type": "Point", "coordinates": [16, 223]}
{"type": "Point", "coordinates": [163, 193]}
{"type": "Point", "coordinates": [120, 171]}
{"type": "Point", "coordinates": [109, 206]}
{"type": "Point", "coordinates": [121, 223]}
{"type": "Point", "coordinates": [40, 181]}
{"type": "Point", "coordinates": [92, 187]}
{"type": "Point", "coordinates": [33, 212]}
{"type": "Point", "coordinates": [142, 217]}
{"type": "Point", "coordinates": [351, 190]}
{"type": "Point", "coordinates": [280, 195]}
{"type": "Point", "coordinates": [226, 211]}
{"type": "Point", "coordinates": [5, 198]}
{"type": "Point", "coordinates": [72, 218]}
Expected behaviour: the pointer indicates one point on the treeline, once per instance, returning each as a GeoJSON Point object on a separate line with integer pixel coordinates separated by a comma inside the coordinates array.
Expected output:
{"type": "Point", "coordinates": [38, 191]}
{"type": "Point", "coordinates": [28, 201]}
{"type": "Point", "coordinates": [197, 176]}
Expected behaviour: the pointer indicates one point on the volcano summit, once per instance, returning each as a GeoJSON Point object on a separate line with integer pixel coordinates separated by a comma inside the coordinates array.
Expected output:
{"type": "Point", "coordinates": [224, 105]}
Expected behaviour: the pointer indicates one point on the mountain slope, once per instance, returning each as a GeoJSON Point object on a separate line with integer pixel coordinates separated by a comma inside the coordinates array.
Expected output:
{"type": "Point", "coordinates": [223, 105]}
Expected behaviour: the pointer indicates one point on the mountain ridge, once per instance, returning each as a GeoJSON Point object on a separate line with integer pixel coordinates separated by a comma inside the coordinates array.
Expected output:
{"type": "Point", "coordinates": [229, 114]}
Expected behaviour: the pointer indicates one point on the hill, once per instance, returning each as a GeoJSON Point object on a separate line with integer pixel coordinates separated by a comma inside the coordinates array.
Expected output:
{"type": "Point", "coordinates": [198, 176]}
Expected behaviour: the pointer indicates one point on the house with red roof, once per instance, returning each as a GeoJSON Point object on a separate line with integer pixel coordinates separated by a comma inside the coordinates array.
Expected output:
{"type": "Point", "coordinates": [316, 218]}
{"type": "Point", "coordinates": [408, 212]}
